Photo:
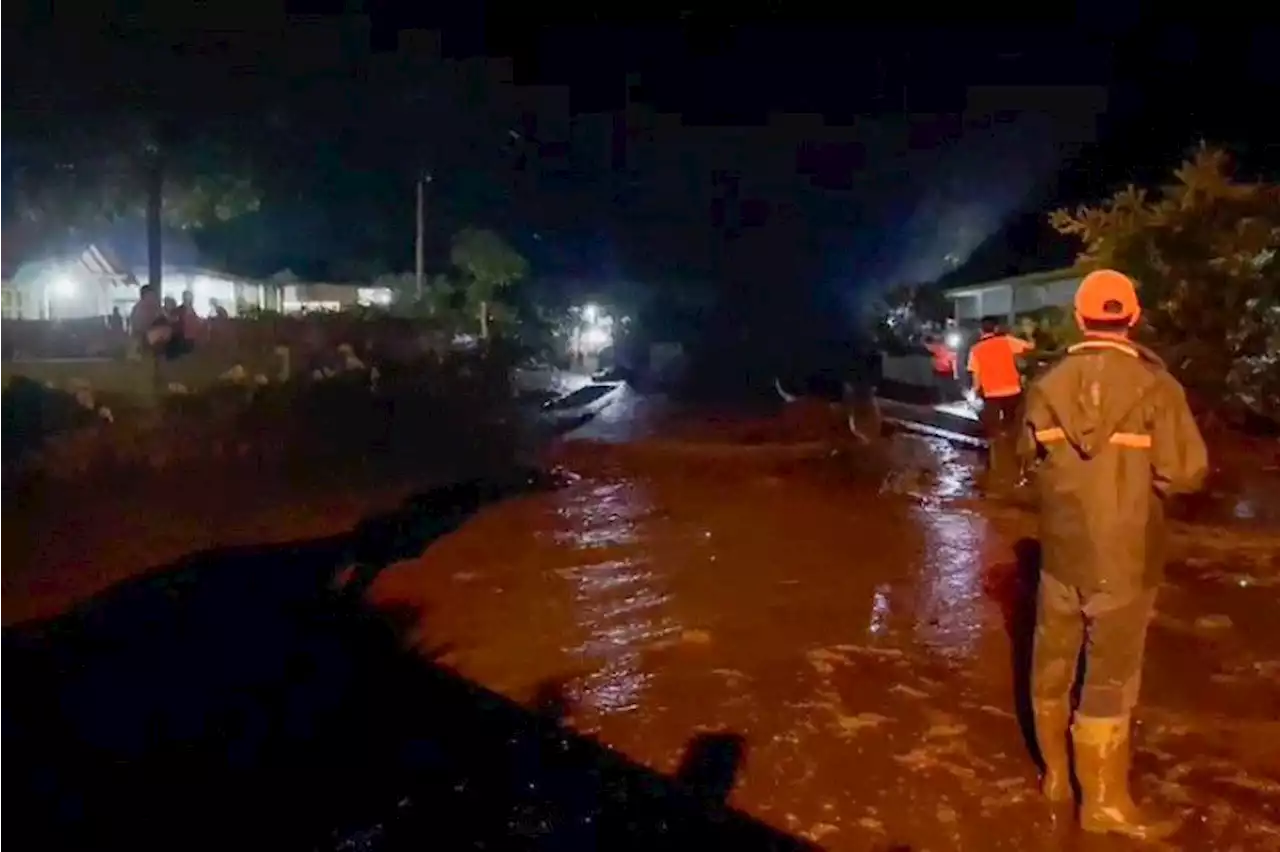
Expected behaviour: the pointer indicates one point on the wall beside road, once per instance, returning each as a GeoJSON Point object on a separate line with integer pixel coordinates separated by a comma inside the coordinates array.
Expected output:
{"type": "Point", "coordinates": [914, 370]}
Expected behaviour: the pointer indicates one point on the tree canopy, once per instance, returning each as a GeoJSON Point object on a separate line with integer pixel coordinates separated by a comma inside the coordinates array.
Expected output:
{"type": "Point", "coordinates": [489, 266]}
{"type": "Point", "coordinates": [1203, 249]}
{"type": "Point", "coordinates": [78, 179]}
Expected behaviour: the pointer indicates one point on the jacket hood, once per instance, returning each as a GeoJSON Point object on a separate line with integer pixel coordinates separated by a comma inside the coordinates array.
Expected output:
{"type": "Point", "coordinates": [1102, 391]}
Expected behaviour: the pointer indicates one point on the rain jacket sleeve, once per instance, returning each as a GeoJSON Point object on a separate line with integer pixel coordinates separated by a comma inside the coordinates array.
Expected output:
{"type": "Point", "coordinates": [1179, 459]}
{"type": "Point", "coordinates": [1034, 411]}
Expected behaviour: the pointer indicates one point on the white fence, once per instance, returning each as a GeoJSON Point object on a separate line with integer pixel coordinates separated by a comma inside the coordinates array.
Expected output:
{"type": "Point", "coordinates": [916, 370]}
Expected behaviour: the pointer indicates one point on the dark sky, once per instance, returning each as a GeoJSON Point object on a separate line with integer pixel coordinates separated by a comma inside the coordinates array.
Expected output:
{"type": "Point", "coordinates": [784, 163]}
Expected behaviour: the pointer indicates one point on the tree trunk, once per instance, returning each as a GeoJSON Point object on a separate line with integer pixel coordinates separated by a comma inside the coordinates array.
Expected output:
{"type": "Point", "coordinates": [484, 320]}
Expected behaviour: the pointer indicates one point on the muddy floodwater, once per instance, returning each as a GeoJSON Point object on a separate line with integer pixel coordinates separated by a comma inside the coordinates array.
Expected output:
{"type": "Point", "coordinates": [834, 643]}
{"type": "Point", "coordinates": [863, 638]}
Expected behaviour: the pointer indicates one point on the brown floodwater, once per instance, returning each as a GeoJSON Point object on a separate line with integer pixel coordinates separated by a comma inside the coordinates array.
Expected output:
{"type": "Point", "coordinates": [857, 632]}
{"type": "Point", "coordinates": [856, 621]}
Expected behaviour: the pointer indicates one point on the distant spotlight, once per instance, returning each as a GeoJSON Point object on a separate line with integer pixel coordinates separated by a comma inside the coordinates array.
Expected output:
{"type": "Point", "coordinates": [596, 338]}
{"type": "Point", "coordinates": [64, 287]}
{"type": "Point", "coordinates": [954, 339]}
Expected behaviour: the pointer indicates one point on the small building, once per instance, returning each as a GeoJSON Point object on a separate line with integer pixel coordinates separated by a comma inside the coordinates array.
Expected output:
{"type": "Point", "coordinates": [303, 296]}
{"type": "Point", "coordinates": [90, 278]}
{"type": "Point", "coordinates": [89, 287]}
{"type": "Point", "coordinates": [1008, 299]}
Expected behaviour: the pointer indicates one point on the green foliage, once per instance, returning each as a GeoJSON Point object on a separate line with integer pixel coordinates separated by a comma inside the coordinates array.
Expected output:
{"type": "Point", "coordinates": [489, 265]}
{"type": "Point", "coordinates": [1204, 251]}
{"type": "Point", "coordinates": [471, 297]}
{"type": "Point", "coordinates": [83, 180]}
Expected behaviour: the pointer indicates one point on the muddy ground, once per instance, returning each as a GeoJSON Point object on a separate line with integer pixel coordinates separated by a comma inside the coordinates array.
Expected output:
{"type": "Point", "coordinates": [832, 648]}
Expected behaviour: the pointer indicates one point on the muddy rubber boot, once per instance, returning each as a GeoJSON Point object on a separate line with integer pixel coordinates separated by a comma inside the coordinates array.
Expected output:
{"type": "Point", "coordinates": [1102, 767]}
{"type": "Point", "coordinates": [1053, 718]}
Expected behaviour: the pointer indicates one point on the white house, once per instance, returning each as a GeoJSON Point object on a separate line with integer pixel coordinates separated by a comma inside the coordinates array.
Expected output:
{"type": "Point", "coordinates": [1009, 298]}
{"type": "Point", "coordinates": [94, 281]}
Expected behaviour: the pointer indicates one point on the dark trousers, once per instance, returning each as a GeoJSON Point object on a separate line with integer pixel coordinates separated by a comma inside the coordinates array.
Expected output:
{"type": "Point", "coordinates": [1112, 630]}
{"type": "Point", "coordinates": [944, 387]}
{"type": "Point", "coordinates": [998, 419]}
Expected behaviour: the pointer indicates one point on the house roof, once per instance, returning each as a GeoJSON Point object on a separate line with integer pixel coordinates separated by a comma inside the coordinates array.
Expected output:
{"type": "Point", "coordinates": [1034, 278]}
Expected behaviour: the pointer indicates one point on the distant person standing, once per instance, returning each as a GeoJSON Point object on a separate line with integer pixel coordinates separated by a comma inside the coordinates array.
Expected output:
{"type": "Point", "coordinates": [144, 314]}
{"type": "Point", "coordinates": [1113, 437]}
{"type": "Point", "coordinates": [993, 364]}
{"type": "Point", "coordinates": [115, 322]}
{"type": "Point", "coordinates": [187, 326]}
{"type": "Point", "coordinates": [942, 359]}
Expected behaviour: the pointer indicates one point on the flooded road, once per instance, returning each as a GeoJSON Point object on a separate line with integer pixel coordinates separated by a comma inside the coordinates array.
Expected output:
{"type": "Point", "coordinates": [860, 638]}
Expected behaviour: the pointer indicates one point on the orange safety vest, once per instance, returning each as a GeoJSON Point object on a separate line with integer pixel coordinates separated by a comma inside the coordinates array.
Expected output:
{"type": "Point", "coordinates": [944, 359]}
{"type": "Point", "coordinates": [991, 360]}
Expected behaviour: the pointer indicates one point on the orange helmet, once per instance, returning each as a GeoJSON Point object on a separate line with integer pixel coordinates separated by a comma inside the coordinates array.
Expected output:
{"type": "Point", "coordinates": [1107, 295]}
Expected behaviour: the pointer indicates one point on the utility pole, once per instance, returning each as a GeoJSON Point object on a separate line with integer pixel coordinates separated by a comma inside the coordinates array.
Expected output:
{"type": "Point", "coordinates": [419, 248]}
{"type": "Point", "coordinates": [155, 210]}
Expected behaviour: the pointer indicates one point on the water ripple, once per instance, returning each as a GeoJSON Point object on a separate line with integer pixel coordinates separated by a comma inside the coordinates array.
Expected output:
{"type": "Point", "coordinates": [618, 605]}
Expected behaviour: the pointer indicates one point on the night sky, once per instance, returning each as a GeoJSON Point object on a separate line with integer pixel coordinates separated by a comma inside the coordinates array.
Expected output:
{"type": "Point", "coordinates": [794, 167]}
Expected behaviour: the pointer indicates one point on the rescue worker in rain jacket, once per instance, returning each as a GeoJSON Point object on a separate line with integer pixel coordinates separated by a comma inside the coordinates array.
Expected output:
{"type": "Point", "coordinates": [1111, 435]}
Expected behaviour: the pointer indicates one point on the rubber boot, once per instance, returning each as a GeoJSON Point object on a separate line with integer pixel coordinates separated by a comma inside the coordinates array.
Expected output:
{"type": "Point", "coordinates": [1102, 768]}
{"type": "Point", "coordinates": [1053, 718]}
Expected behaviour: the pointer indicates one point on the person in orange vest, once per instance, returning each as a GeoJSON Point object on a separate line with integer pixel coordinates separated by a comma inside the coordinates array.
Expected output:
{"type": "Point", "coordinates": [943, 360]}
{"type": "Point", "coordinates": [993, 365]}
{"type": "Point", "coordinates": [1112, 436]}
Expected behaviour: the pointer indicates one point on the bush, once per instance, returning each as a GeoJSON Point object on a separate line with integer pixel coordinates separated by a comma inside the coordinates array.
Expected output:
{"type": "Point", "coordinates": [398, 415]}
{"type": "Point", "coordinates": [1204, 251]}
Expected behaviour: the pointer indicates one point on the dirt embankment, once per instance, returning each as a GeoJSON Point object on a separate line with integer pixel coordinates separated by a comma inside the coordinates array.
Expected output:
{"type": "Point", "coordinates": [97, 499]}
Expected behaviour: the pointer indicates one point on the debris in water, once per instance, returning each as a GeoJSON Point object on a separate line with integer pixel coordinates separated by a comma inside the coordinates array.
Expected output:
{"type": "Point", "coordinates": [1217, 621]}
{"type": "Point", "coordinates": [996, 711]}
{"type": "Point", "coordinates": [866, 650]}
{"type": "Point", "coordinates": [871, 824]}
{"type": "Point", "coordinates": [819, 831]}
{"type": "Point", "coordinates": [824, 660]}
{"type": "Point", "coordinates": [1247, 782]}
{"type": "Point", "coordinates": [696, 637]}
{"type": "Point", "coordinates": [945, 731]}
{"type": "Point", "coordinates": [910, 692]}
{"type": "Point", "coordinates": [850, 725]}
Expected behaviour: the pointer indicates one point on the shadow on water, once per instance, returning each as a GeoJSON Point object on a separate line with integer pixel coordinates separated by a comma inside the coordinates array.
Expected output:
{"type": "Point", "coordinates": [249, 698]}
{"type": "Point", "coordinates": [1014, 586]}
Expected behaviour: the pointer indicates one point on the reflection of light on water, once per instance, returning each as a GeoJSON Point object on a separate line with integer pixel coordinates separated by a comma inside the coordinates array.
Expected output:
{"type": "Point", "coordinates": [949, 611]}
{"type": "Point", "coordinates": [615, 600]}
{"type": "Point", "coordinates": [1245, 509]}
{"type": "Point", "coordinates": [602, 518]}
{"type": "Point", "coordinates": [938, 470]}
{"type": "Point", "coordinates": [879, 611]}
{"type": "Point", "coordinates": [955, 470]}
